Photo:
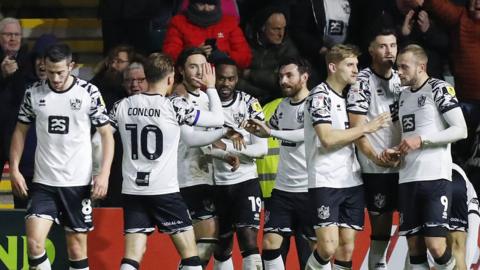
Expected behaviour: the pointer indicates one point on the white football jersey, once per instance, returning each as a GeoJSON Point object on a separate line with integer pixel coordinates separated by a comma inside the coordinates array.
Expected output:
{"type": "Point", "coordinates": [194, 167]}
{"type": "Point", "coordinates": [235, 111]}
{"type": "Point", "coordinates": [371, 96]}
{"type": "Point", "coordinates": [334, 168]}
{"type": "Point", "coordinates": [63, 121]}
{"type": "Point", "coordinates": [149, 125]}
{"type": "Point", "coordinates": [420, 113]}
{"type": "Point", "coordinates": [292, 168]}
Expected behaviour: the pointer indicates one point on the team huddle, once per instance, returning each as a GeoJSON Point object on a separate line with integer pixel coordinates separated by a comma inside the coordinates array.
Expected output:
{"type": "Point", "coordinates": [379, 138]}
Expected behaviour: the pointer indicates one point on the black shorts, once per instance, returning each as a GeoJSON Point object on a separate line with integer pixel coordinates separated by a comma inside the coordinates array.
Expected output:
{"type": "Point", "coordinates": [459, 213]}
{"type": "Point", "coordinates": [199, 200]}
{"type": "Point", "coordinates": [381, 192]}
{"type": "Point", "coordinates": [238, 205]}
{"type": "Point", "coordinates": [167, 211]}
{"type": "Point", "coordinates": [342, 207]}
{"type": "Point", "coordinates": [424, 207]}
{"type": "Point", "coordinates": [283, 213]}
{"type": "Point", "coordinates": [68, 206]}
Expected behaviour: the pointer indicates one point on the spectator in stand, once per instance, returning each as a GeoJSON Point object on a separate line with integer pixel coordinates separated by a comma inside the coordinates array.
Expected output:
{"type": "Point", "coordinates": [269, 44]}
{"type": "Point", "coordinates": [13, 65]}
{"type": "Point", "coordinates": [463, 23]}
{"type": "Point", "coordinates": [319, 25]}
{"type": "Point", "coordinates": [203, 25]}
{"type": "Point", "coordinates": [109, 79]}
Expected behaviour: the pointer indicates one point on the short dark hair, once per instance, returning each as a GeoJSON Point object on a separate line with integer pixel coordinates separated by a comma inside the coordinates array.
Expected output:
{"type": "Point", "coordinates": [182, 58]}
{"type": "Point", "coordinates": [383, 32]}
{"type": "Point", "coordinates": [302, 64]}
{"type": "Point", "coordinates": [58, 52]}
{"type": "Point", "coordinates": [224, 61]}
{"type": "Point", "coordinates": [158, 66]}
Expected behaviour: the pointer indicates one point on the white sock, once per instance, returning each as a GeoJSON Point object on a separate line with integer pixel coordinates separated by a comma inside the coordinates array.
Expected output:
{"type": "Point", "coordinates": [225, 265]}
{"type": "Point", "coordinates": [314, 264]}
{"type": "Point", "coordinates": [126, 266]}
{"type": "Point", "coordinates": [448, 266]}
{"type": "Point", "coordinates": [423, 266]}
{"type": "Point", "coordinates": [189, 267]}
{"type": "Point", "coordinates": [377, 257]}
{"type": "Point", "coordinates": [45, 265]}
{"type": "Point", "coordinates": [275, 264]}
{"type": "Point", "coordinates": [252, 262]}
{"type": "Point", "coordinates": [205, 249]}
{"type": "Point", "coordinates": [71, 268]}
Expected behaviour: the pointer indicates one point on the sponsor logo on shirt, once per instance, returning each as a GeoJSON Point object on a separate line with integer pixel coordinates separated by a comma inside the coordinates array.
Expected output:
{"type": "Point", "coordinates": [58, 124]}
{"type": "Point", "coordinates": [408, 122]}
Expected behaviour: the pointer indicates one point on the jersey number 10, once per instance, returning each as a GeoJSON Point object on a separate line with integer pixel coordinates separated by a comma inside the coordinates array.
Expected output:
{"type": "Point", "coordinates": [157, 134]}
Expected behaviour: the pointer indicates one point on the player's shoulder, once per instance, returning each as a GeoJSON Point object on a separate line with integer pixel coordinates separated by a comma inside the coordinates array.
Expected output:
{"type": "Point", "coordinates": [321, 89]}
{"type": "Point", "coordinates": [365, 75]}
{"type": "Point", "coordinates": [437, 85]}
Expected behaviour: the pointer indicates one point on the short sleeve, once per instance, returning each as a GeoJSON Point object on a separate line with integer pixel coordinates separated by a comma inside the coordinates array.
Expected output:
{"type": "Point", "coordinates": [359, 97]}
{"type": "Point", "coordinates": [274, 119]}
{"type": "Point", "coordinates": [318, 107]}
{"type": "Point", "coordinates": [444, 97]}
{"type": "Point", "coordinates": [113, 115]}
{"type": "Point", "coordinates": [26, 114]}
{"type": "Point", "coordinates": [98, 112]}
{"type": "Point", "coordinates": [255, 110]}
{"type": "Point", "coordinates": [185, 112]}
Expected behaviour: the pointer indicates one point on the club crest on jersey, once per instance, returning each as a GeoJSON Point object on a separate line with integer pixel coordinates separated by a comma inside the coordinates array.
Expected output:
{"type": "Point", "coordinates": [421, 100]}
{"type": "Point", "coordinates": [380, 200]}
{"type": "Point", "coordinates": [75, 104]}
{"type": "Point", "coordinates": [323, 212]}
{"type": "Point", "coordinates": [238, 118]}
{"type": "Point", "coordinates": [300, 116]}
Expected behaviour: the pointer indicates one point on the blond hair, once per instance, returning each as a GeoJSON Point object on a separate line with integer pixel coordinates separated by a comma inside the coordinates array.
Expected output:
{"type": "Point", "coordinates": [340, 52]}
{"type": "Point", "coordinates": [417, 51]}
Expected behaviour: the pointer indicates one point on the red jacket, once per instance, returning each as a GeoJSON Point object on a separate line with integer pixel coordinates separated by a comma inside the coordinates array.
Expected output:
{"type": "Point", "coordinates": [230, 39]}
{"type": "Point", "coordinates": [465, 39]}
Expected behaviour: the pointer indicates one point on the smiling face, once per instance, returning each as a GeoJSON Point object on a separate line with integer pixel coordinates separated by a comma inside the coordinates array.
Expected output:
{"type": "Point", "coordinates": [227, 78]}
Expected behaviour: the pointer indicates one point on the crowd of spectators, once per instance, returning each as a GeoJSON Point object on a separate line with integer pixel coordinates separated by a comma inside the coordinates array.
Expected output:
{"type": "Point", "coordinates": [257, 35]}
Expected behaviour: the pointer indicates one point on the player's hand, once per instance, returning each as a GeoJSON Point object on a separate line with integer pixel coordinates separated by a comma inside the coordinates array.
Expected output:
{"type": "Point", "coordinates": [19, 187]}
{"type": "Point", "coordinates": [100, 186]}
{"type": "Point", "coordinates": [208, 76]}
{"type": "Point", "coordinates": [233, 161]}
{"type": "Point", "coordinates": [408, 23]}
{"type": "Point", "coordinates": [409, 144]}
{"type": "Point", "coordinates": [220, 145]}
{"type": "Point", "coordinates": [381, 121]}
{"type": "Point", "coordinates": [9, 66]}
{"type": "Point", "coordinates": [389, 158]}
{"type": "Point", "coordinates": [236, 138]}
{"type": "Point", "coordinates": [257, 128]}
{"type": "Point", "coordinates": [423, 21]}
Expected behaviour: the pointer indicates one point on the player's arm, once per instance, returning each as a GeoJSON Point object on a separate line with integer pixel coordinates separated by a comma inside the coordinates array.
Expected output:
{"type": "Point", "coordinates": [363, 143]}
{"type": "Point", "coordinates": [332, 138]}
{"type": "Point", "coordinates": [257, 149]}
{"type": "Point", "coordinates": [196, 138]}
{"type": "Point", "coordinates": [264, 130]}
{"type": "Point", "coordinates": [97, 152]}
{"type": "Point", "coordinates": [16, 150]}
{"type": "Point", "coordinates": [231, 159]}
{"type": "Point", "coordinates": [457, 130]}
{"type": "Point", "coordinates": [214, 116]}
{"type": "Point", "coordinates": [100, 181]}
